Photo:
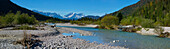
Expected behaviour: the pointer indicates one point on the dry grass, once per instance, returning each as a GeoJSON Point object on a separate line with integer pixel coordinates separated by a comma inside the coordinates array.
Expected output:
{"type": "Point", "coordinates": [27, 41]}
{"type": "Point", "coordinates": [4, 35]}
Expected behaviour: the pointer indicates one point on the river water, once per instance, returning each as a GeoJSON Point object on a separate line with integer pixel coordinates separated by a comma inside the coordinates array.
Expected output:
{"type": "Point", "coordinates": [124, 39]}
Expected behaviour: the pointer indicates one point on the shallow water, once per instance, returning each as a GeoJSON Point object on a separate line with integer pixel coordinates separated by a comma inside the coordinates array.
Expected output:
{"type": "Point", "coordinates": [125, 39]}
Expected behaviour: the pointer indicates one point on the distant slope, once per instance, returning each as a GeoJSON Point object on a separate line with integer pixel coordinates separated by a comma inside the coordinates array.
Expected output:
{"type": "Point", "coordinates": [91, 16]}
{"type": "Point", "coordinates": [7, 5]}
{"type": "Point", "coordinates": [130, 9]}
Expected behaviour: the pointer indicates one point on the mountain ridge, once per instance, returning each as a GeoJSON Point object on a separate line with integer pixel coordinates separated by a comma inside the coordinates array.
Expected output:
{"type": "Point", "coordinates": [131, 8]}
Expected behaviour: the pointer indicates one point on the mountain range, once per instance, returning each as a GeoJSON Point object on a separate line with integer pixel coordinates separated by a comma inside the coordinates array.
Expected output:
{"type": "Point", "coordinates": [70, 16]}
{"type": "Point", "coordinates": [7, 5]}
{"type": "Point", "coordinates": [54, 15]}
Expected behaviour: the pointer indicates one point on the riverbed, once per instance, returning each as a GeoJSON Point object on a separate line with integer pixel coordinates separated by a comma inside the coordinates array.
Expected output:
{"type": "Point", "coordinates": [124, 39]}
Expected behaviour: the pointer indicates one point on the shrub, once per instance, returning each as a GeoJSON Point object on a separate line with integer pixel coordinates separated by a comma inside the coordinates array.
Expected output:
{"type": "Point", "coordinates": [138, 29]}
{"type": "Point", "coordinates": [166, 20]}
{"type": "Point", "coordinates": [147, 23]}
{"type": "Point", "coordinates": [7, 20]}
{"type": "Point", "coordinates": [12, 19]}
{"type": "Point", "coordinates": [131, 21]}
{"type": "Point", "coordinates": [110, 20]}
{"type": "Point", "coordinates": [127, 21]}
{"type": "Point", "coordinates": [25, 19]}
{"type": "Point", "coordinates": [158, 30]}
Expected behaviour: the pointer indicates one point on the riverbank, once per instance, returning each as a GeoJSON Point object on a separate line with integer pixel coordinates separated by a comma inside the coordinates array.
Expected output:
{"type": "Point", "coordinates": [72, 30]}
{"type": "Point", "coordinates": [151, 31]}
{"type": "Point", "coordinates": [69, 24]}
{"type": "Point", "coordinates": [51, 38]}
{"type": "Point", "coordinates": [143, 31]}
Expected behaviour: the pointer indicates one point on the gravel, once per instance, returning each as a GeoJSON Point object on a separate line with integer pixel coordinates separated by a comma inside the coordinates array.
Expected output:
{"type": "Point", "coordinates": [66, 42]}
{"type": "Point", "coordinates": [68, 30]}
{"type": "Point", "coordinates": [51, 39]}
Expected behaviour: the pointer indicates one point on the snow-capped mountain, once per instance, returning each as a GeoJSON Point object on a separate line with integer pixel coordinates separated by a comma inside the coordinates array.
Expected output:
{"type": "Point", "coordinates": [70, 16]}
{"type": "Point", "coordinates": [54, 15]}
{"type": "Point", "coordinates": [74, 16]}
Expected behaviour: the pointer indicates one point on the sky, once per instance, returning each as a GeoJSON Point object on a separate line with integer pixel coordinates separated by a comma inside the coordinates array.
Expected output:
{"type": "Point", "coordinates": [87, 7]}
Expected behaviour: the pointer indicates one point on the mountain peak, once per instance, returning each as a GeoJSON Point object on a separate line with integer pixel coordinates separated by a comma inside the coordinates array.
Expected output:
{"type": "Point", "coordinates": [74, 16]}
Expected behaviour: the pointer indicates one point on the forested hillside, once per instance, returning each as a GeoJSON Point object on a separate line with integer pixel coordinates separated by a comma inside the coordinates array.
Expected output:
{"type": "Point", "coordinates": [154, 9]}
{"type": "Point", "coordinates": [7, 6]}
{"type": "Point", "coordinates": [145, 13]}
{"type": "Point", "coordinates": [130, 9]}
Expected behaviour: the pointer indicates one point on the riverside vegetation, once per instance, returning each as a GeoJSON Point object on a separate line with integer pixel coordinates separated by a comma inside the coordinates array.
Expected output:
{"type": "Point", "coordinates": [12, 19]}
{"type": "Point", "coordinates": [151, 14]}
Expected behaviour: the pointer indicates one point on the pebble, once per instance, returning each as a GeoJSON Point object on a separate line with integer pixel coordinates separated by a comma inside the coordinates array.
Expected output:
{"type": "Point", "coordinates": [70, 43]}
{"type": "Point", "coordinates": [59, 41]}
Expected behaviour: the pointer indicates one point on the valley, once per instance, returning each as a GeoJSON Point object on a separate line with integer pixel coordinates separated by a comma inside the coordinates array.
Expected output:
{"type": "Point", "coordinates": [66, 24]}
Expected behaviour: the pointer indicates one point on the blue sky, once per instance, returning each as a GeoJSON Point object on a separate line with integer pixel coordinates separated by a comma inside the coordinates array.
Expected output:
{"type": "Point", "coordinates": [88, 7]}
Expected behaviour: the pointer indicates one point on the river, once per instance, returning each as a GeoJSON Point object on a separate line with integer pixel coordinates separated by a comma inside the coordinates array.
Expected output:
{"type": "Point", "coordinates": [120, 38]}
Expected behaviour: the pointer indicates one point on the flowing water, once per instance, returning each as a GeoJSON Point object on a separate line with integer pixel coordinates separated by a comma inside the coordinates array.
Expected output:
{"type": "Point", "coordinates": [125, 39]}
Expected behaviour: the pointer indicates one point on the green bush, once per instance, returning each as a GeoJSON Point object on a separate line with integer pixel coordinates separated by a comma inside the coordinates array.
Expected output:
{"type": "Point", "coordinates": [7, 19]}
{"type": "Point", "coordinates": [110, 20]}
{"type": "Point", "coordinates": [131, 21]}
{"type": "Point", "coordinates": [166, 20]}
{"type": "Point", "coordinates": [12, 19]}
{"type": "Point", "coordinates": [126, 21]}
{"type": "Point", "coordinates": [138, 29]}
{"type": "Point", "coordinates": [97, 22]}
{"type": "Point", "coordinates": [147, 23]}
